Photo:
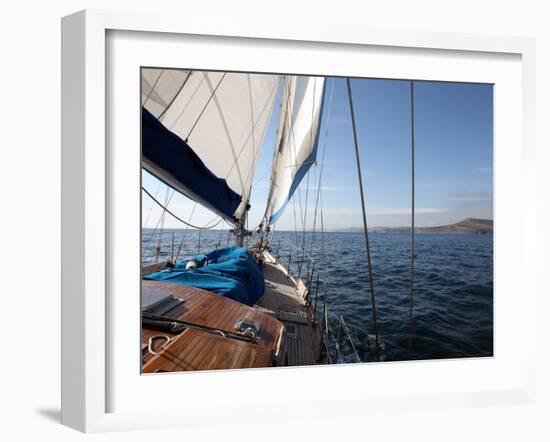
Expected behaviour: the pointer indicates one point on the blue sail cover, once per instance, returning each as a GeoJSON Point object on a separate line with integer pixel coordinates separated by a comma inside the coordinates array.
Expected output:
{"type": "Point", "coordinates": [231, 272]}
{"type": "Point", "coordinates": [174, 157]}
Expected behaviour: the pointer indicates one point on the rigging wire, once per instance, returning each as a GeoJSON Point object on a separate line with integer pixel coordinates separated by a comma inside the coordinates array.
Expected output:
{"type": "Point", "coordinates": [293, 147]}
{"type": "Point", "coordinates": [412, 215]}
{"type": "Point", "coordinates": [175, 96]}
{"type": "Point", "coordinates": [207, 227]}
{"type": "Point", "coordinates": [167, 199]}
{"type": "Point", "coordinates": [146, 247]}
{"type": "Point", "coordinates": [185, 231]}
{"type": "Point", "coordinates": [322, 160]}
{"type": "Point", "coordinates": [323, 250]}
{"type": "Point", "coordinates": [220, 241]}
{"type": "Point", "coordinates": [358, 162]}
{"type": "Point", "coordinates": [311, 141]}
{"type": "Point", "coordinates": [151, 207]}
{"type": "Point", "coordinates": [153, 87]}
{"type": "Point", "coordinates": [188, 101]}
{"type": "Point", "coordinates": [305, 220]}
{"type": "Point", "coordinates": [252, 123]}
{"type": "Point", "coordinates": [265, 221]}
{"type": "Point", "coordinates": [205, 106]}
{"type": "Point", "coordinates": [295, 223]}
{"type": "Point", "coordinates": [314, 225]}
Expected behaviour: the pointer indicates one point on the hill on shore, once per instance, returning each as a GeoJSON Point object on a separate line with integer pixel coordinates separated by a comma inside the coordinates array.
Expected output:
{"type": "Point", "coordinates": [466, 226]}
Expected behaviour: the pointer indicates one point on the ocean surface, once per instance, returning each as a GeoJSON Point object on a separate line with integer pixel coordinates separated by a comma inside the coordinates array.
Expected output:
{"type": "Point", "coordinates": [453, 287]}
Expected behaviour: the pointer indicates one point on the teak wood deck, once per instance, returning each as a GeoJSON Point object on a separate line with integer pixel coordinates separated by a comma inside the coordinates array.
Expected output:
{"type": "Point", "coordinates": [198, 350]}
{"type": "Point", "coordinates": [205, 308]}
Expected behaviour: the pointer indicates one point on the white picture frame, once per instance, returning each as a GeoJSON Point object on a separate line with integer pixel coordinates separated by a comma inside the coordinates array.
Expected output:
{"type": "Point", "coordinates": [89, 171]}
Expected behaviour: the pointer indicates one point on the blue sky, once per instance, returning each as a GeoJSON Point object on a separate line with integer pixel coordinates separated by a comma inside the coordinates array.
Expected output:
{"type": "Point", "coordinates": [454, 158]}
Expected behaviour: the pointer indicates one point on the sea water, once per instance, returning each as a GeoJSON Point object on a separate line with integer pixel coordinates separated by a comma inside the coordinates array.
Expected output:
{"type": "Point", "coordinates": [452, 292]}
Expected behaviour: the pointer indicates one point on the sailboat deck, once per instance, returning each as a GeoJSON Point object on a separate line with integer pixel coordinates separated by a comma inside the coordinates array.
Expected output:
{"type": "Point", "coordinates": [284, 301]}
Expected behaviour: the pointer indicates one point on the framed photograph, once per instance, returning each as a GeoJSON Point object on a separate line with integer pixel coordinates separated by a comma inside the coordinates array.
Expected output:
{"type": "Point", "coordinates": [319, 216]}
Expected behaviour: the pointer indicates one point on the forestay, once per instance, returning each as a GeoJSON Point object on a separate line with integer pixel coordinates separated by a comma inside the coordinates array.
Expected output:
{"type": "Point", "coordinates": [298, 137]}
{"type": "Point", "coordinates": [221, 116]}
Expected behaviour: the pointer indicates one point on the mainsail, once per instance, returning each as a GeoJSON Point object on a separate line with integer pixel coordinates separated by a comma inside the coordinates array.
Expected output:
{"type": "Point", "coordinates": [297, 140]}
{"type": "Point", "coordinates": [217, 121]}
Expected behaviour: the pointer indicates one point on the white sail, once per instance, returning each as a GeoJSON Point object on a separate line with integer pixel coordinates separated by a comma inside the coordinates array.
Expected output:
{"type": "Point", "coordinates": [296, 148]}
{"type": "Point", "coordinates": [159, 87]}
{"type": "Point", "coordinates": [222, 116]}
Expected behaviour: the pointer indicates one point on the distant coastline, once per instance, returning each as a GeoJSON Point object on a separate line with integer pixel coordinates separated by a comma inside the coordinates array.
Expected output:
{"type": "Point", "coordinates": [468, 226]}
